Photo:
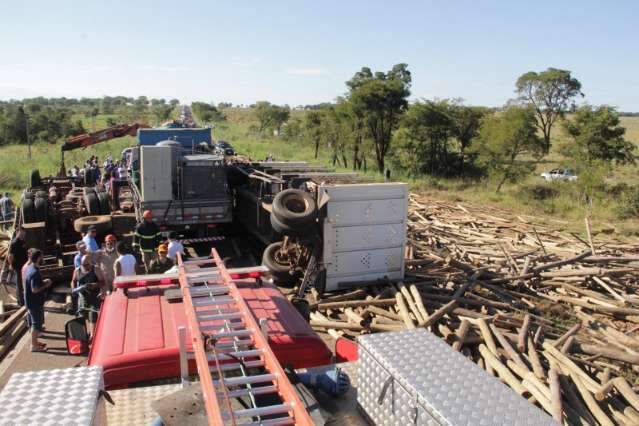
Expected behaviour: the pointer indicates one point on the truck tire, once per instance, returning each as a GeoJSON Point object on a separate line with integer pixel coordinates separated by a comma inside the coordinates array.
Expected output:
{"type": "Point", "coordinates": [286, 230]}
{"type": "Point", "coordinates": [35, 180]}
{"type": "Point", "coordinates": [101, 223]}
{"type": "Point", "coordinates": [92, 204]}
{"type": "Point", "coordinates": [40, 209]}
{"type": "Point", "coordinates": [279, 269]}
{"type": "Point", "coordinates": [105, 204]}
{"type": "Point", "coordinates": [28, 211]}
{"type": "Point", "coordinates": [294, 207]}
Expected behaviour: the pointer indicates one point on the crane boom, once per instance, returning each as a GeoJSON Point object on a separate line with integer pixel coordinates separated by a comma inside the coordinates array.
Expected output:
{"type": "Point", "coordinates": [87, 139]}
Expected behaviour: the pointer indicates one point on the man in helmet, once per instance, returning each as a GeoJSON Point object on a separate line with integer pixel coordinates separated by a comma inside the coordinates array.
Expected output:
{"type": "Point", "coordinates": [146, 238]}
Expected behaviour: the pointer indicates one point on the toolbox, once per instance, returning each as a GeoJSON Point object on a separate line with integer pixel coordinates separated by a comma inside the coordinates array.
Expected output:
{"type": "Point", "coordinates": [413, 377]}
{"type": "Point", "coordinates": [69, 396]}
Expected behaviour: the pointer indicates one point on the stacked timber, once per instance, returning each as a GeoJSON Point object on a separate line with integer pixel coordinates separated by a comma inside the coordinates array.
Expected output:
{"type": "Point", "coordinates": [553, 315]}
{"type": "Point", "coordinates": [12, 326]}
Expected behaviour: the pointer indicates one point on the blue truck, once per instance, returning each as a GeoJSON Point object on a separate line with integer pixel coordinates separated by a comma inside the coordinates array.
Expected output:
{"type": "Point", "coordinates": [189, 138]}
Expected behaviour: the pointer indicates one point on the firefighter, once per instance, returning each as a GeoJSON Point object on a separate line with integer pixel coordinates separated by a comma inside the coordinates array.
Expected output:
{"type": "Point", "coordinates": [146, 238]}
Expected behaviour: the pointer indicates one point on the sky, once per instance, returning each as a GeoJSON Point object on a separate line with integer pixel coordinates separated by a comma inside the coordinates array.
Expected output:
{"type": "Point", "coordinates": [302, 52]}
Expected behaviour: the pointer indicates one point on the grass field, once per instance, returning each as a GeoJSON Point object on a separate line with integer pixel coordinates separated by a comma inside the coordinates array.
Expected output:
{"type": "Point", "coordinates": [15, 168]}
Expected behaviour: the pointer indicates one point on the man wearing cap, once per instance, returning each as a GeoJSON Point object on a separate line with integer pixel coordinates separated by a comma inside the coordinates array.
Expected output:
{"type": "Point", "coordinates": [162, 263]}
{"type": "Point", "coordinates": [89, 239]}
{"type": "Point", "coordinates": [34, 298]}
{"type": "Point", "coordinates": [146, 238]}
{"type": "Point", "coordinates": [106, 261]}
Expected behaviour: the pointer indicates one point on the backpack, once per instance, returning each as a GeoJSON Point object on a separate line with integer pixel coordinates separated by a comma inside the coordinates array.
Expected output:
{"type": "Point", "coordinates": [77, 337]}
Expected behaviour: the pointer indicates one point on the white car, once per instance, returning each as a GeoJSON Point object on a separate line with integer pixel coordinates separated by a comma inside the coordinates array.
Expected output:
{"type": "Point", "coordinates": [560, 174]}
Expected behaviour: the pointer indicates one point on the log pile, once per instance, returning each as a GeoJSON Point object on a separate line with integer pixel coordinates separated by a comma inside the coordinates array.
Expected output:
{"type": "Point", "coordinates": [553, 315]}
{"type": "Point", "coordinates": [12, 326]}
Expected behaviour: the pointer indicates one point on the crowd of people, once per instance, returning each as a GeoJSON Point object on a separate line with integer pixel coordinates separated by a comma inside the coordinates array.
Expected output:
{"type": "Point", "coordinates": [92, 175]}
{"type": "Point", "coordinates": [95, 269]}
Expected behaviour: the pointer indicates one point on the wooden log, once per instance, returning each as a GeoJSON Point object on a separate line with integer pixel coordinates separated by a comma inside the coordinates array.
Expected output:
{"type": "Point", "coordinates": [338, 325]}
{"type": "Point", "coordinates": [523, 334]}
{"type": "Point", "coordinates": [589, 235]}
{"type": "Point", "coordinates": [512, 353]}
{"type": "Point", "coordinates": [356, 304]}
{"type": "Point", "coordinates": [503, 372]}
{"type": "Point", "coordinates": [567, 346]}
{"type": "Point", "coordinates": [535, 361]}
{"type": "Point", "coordinates": [555, 395]}
{"type": "Point", "coordinates": [571, 332]}
{"type": "Point", "coordinates": [591, 403]}
{"type": "Point", "coordinates": [438, 314]}
{"type": "Point", "coordinates": [602, 393]}
{"type": "Point", "coordinates": [11, 337]}
{"type": "Point", "coordinates": [353, 317]}
{"type": "Point", "coordinates": [403, 311]}
{"type": "Point", "coordinates": [384, 313]}
{"type": "Point", "coordinates": [626, 391]}
{"type": "Point", "coordinates": [356, 294]}
{"type": "Point", "coordinates": [598, 308]}
{"type": "Point", "coordinates": [607, 352]}
{"type": "Point", "coordinates": [562, 262]}
{"type": "Point", "coordinates": [411, 304]}
{"type": "Point", "coordinates": [552, 354]}
{"type": "Point", "coordinates": [418, 301]}
{"type": "Point", "coordinates": [461, 333]}
{"type": "Point", "coordinates": [8, 323]}
{"type": "Point", "coordinates": [570, 392]}
{"type": "Point", "coordinates": [486, 334]}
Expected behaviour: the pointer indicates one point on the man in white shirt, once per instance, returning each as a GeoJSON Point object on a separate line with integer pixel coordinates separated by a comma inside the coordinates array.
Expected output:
{"type": "Point", "coordinates": [174, 247]}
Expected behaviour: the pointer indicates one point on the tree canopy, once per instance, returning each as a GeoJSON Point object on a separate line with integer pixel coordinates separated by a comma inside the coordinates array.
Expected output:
{"type": "Point", "coordinates": [551, 94]}
{"type": "Point", "coordinates": [271, 117]}
{"type": "Point", "coordinates": [380, 99]}
{"type": "Point", "coordinates": [503, 139]}
{"type": "Point", "coordinates": [596, 134]}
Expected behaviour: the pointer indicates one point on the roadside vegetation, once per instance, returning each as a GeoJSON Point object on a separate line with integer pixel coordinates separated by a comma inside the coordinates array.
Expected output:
{"type": "Point", "coordinates": [443, 147]}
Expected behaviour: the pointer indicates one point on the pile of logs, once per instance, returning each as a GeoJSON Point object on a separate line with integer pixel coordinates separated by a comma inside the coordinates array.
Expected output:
{"type": "Point", "coordinates": [12, 326]}
{"type": "Point", "coordinates": [554, 315]}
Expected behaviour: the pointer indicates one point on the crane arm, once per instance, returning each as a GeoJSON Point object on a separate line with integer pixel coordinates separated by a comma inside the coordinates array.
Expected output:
{"type": "Point", "coordinates": [87, 139]}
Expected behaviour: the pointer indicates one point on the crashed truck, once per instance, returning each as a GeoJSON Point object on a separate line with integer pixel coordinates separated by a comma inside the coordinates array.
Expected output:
{"type": "Point", "coordinates": [235, 349]}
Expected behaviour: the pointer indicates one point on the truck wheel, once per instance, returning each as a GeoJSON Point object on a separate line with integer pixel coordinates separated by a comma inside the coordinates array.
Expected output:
{"type": "Point", "coordinates": [105, 205]}
{"type": "Point", "coordinates": [294, 207]}
{"type": "Point", "coordinates": [35, 178]}
{"type": "Point", "coordinates": [92, 204]}
{"type": "Point", "coordinates": [279, 267]}
{"type": "Point", "coordinates": [40, 209]}
{"type": "Point", "coordinates": [101, 223]}
{"type": "Point", "coordinates": [28, 211]}
{"type": "Point", "coordinates": [286, 230]}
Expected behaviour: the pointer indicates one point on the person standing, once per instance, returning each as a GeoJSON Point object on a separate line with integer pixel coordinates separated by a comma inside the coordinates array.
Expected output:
{"type": "Point", "coordinates": [146, 238]}
{"type": "Point", "coordinates": [89, 239]}
{"type": "Point", "coordinates": [16, 259]}
{"type": "Point", "coordinates": [6, 208]}
{"type": "Point", "coordinates": [162, 263]}
{"type": "Point", "coordinates": [125, 264]}
{"type": "Point", "coordinates": [34, 298]}
{"type": "Point", "coordinates": [106, 261]}
{"type": "Point", "coordinates": [88, 283]}
{"type": "Point", "coordinates": [175, 247]}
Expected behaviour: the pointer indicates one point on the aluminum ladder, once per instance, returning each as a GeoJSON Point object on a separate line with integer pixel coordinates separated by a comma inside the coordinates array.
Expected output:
{"type": "Point", "coordinates": [234, 360]}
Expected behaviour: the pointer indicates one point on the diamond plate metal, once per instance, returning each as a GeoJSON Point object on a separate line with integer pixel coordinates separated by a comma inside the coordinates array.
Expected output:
{"type": "Point", "coordinates": [433, 385]}
{"type": "Point", "coordinates": [52, 397]}
{"type": "Point", "coordinates": [134, 406]}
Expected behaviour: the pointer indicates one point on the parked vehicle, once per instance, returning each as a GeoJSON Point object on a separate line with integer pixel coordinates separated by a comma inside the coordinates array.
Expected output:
{"type": "Point", "coordinates": [559, 174]}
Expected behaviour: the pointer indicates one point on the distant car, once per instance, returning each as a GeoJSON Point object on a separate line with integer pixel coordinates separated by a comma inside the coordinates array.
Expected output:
{"type": "Point", "coordinates": [560, 174]}
{"type": "Point", "coordinates": [223, 144]}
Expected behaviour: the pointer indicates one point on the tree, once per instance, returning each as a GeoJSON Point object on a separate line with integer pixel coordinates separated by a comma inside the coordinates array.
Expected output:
{"type": "Point", "coordinates": [503, 139]}
{"type": "Point", "coordinates": [465, 123]}
{"type": "Point", "coordinates": [380, 99]}
{"type": "Point", "coordinates": [550, 93]}
{"type": "Point", "coordinates": [271, 116]}
{"type": "Point", "coordinates": [313, 128]}
{"type": "Point", "coordinates": [597, 135]}
{"type": "Point", "coordinates": [162, 112]}
{"type": "Point", "coordinates": [174, 102]}
{"type": "Point", "coordinates": [426, 129]}
{"type": "Point", "coordinates": [207, 113]}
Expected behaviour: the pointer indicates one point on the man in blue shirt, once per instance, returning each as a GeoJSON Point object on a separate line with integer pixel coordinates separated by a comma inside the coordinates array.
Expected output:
{"type": "Point", "coordinates": [34, 297]}
{"type": "Point", "coordinates": [89, 239]}
{"type": "Point", "coordinates": [82, 250]}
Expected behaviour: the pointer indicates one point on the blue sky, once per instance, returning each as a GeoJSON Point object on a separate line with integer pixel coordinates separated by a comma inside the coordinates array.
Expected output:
{"type": "Point", "coordinates": [300, 52]}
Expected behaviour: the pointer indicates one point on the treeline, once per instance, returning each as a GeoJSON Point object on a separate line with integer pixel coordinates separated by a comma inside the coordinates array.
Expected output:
{"type": "Point", "coordinates": [52, 119]}
{"type": "Point", "coordinates": [374, 122]}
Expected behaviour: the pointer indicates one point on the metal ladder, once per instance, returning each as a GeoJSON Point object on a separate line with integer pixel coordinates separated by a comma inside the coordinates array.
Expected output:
{"type": "Point", "coordinates": [236, 366]}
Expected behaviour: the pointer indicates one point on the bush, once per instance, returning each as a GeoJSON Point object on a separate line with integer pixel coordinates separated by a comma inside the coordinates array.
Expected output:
{"type": "Point", "coordinates": [628, 206]}
{"type": "Point", "coordinates": [539, 191]}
